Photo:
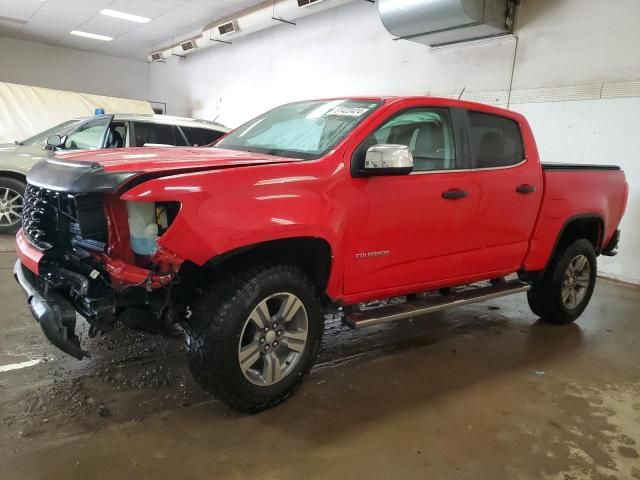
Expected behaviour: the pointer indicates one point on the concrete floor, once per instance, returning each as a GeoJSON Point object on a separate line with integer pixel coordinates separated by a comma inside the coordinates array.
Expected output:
{"type": "Point", "coordinates": [481, 392]}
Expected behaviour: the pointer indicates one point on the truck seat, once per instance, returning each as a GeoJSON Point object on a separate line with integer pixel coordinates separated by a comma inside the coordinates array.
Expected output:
{"type": "Point", "coordinates": [428, 153]}
{"type": "Point", "coordinates": [114, 139]}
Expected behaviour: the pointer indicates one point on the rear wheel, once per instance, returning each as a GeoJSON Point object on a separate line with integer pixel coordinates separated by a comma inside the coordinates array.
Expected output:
{"type": "Point", "coordinates": [566, 288]}
{"type": "Point", "coordinates": [254, 336]}
{"type": "Point", "coordinates": [11, 204]}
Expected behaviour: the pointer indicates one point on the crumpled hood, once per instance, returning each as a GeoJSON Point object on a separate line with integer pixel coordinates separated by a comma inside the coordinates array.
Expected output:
{"type": "Point", "coordinates": [109, 170]}
{"type": "Point", "coordinates": [148, 159]}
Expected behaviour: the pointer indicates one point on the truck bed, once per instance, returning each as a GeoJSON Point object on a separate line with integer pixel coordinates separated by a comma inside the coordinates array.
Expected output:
{"type": "Point", "coordinates": [576, 191]}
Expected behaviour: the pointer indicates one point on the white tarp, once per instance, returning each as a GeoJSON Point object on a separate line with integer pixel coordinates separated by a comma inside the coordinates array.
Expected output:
{"type": "Point", "coordinates": [25, 110]}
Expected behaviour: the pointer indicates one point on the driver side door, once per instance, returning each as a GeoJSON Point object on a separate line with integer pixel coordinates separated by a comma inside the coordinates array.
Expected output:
{"type": "Point", "coordinates": [411, 230]}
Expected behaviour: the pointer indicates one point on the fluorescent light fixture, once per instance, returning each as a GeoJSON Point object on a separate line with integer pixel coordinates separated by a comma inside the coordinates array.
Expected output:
{"type": "Point", "coordinates": [124, 16]}
{"type": "Point", "coordinates": [94, 36]}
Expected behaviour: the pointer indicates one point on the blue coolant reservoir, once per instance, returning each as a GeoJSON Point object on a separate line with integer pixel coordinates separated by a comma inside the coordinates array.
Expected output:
{"type": "Point", "coordinates": [143, 229]}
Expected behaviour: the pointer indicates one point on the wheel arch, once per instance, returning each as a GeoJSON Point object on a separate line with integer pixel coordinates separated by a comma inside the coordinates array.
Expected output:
{"type": "Point", "coordinates": [311, 254]}
{"type": "Point", "coordinates": [589, 225]}
{"type": "Point", "coordinates": [21, 177]}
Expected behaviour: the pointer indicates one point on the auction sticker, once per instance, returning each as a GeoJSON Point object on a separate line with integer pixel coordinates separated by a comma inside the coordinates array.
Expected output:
{"type": "Point", "coordinates": [348, 111]}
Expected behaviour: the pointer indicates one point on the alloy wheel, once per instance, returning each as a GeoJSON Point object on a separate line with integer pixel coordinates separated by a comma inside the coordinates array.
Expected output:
{"type": "Point", "coordinates": [576, 281]}
{"type": "Point", "coordinates": [11, 203]}
{"type": "Point", "coordinates": [273, 339]}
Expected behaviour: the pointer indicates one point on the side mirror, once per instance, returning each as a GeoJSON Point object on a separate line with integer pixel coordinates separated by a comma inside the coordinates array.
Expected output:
{"type": "Point", "coordinates": [388, 160]}
{"type": "Point", "coordinates": [54, 142]}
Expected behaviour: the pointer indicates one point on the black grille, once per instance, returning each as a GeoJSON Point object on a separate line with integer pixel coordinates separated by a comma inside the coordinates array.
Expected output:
{"type": "Point", "coordinates": [38, 217]}
{"type": "Point", "coordinates": [57, 221]}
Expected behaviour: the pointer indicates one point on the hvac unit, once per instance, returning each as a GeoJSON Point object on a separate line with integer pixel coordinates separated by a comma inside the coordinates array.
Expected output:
{"type": "Point", "coordinates": [445, 22]}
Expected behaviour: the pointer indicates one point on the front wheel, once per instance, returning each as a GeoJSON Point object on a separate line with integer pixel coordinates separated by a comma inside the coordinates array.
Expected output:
{"type": "Point", "coordinates": [254, 336]}
{"type": "Point", "coordinates": [11, 203]}
{"type": "Point", "coordinates": [566, 288]}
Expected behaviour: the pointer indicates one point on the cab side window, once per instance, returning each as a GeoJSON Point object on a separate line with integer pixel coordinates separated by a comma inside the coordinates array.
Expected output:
{"type": "Point", "coordinates": [157, 134]}
{"type": "Point", "coordinates": [495, 141]}
{"type": "Point", "coordinates": [428, 133]}
{"type": "Point", "coordinates": [201, 136]}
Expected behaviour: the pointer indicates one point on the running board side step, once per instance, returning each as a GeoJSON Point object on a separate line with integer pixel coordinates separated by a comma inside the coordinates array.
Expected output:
{"type": "Point", "coordinates": [414, 308]}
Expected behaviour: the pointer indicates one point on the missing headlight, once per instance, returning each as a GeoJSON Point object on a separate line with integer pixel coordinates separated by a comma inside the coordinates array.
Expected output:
{"type": "Point", "coordinates": [148, 221]}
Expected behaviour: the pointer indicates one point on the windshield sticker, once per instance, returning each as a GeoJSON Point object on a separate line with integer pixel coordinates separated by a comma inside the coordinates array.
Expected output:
{"type": "Point", "coordinates": [348, 111]}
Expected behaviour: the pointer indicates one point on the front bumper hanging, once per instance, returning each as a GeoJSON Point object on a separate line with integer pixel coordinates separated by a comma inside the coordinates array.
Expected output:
{"type": "Point", "coordinates": [56, 316]}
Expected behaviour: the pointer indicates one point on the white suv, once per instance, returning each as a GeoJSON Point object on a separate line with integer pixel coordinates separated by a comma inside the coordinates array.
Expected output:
{"type": "Point", "coordinates": [101, 131]}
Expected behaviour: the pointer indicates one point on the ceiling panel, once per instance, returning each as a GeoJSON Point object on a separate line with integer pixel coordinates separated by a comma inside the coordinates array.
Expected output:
{"type": "Point", "coordinates": [50, 21]}
{"type": "Point", "coordinates": [22, 9]}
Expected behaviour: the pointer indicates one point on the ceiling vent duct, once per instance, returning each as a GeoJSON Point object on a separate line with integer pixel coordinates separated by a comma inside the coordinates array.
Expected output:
{"type": "Point", "coordinates": [444, 22]}
{"type": "Point", "coordinates": [243, 23]}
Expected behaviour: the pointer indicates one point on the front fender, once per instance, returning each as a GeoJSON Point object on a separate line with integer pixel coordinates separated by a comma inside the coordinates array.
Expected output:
{"type": "Point", "coordinates": [223, 210]}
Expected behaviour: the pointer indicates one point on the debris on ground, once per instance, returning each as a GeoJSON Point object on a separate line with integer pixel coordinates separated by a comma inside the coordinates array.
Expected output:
{"type": "Point", "coordinates": [103, 411]}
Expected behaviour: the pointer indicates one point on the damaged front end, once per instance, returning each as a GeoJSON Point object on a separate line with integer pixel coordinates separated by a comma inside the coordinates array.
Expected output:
{"type": "Point", "coordinates": [76, 254]}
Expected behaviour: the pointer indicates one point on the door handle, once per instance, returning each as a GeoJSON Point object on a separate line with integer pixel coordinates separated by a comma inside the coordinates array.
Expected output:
{"type": "Point", "coordinates": [454, 194]}
{"type": "Point", "coordinates": [525, 188]}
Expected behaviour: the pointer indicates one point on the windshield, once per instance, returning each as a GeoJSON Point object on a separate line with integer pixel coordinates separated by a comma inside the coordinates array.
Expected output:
{"type": "Point", "coordinates": [59, 129]}
{"type": "Point", "coordinates": [304, 130]}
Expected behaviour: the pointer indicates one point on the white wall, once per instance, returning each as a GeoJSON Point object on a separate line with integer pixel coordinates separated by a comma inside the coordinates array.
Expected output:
{"type": "Point", "coordinates": [40, 65]}
{"type": "Point", "coordinates": [347, 51]}
{"type": "Point", "coordinates": [342, 51]}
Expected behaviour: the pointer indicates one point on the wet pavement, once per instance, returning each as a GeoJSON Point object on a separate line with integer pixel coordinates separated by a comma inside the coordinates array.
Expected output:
{"type": "Point", "coordinates": [480, 392]}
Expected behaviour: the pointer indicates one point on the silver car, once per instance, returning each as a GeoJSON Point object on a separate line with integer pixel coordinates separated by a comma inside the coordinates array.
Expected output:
{"type": "Point", "coordinates": [101, 131]}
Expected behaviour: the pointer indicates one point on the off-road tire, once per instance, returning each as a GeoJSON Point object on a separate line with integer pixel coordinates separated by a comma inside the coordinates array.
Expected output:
{"type": "Point", "coordinates": [16, 186]}
{"type": "Point", "coordinates": [545, 296]}
{"type": "Point", "coordinates": [216, 324]}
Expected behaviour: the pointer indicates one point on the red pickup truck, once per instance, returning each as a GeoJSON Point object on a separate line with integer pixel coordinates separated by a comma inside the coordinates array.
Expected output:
{"type": "Point", "coordinates": [313, 205]}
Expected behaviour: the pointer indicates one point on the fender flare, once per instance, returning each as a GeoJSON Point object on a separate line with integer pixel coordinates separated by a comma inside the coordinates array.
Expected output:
{"type": "Point", "coordinates": [568, 222]}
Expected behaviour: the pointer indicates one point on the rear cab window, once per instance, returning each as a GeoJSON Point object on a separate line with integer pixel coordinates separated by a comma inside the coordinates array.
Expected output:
{"type": "Point", "coordinates": [495, 142]}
